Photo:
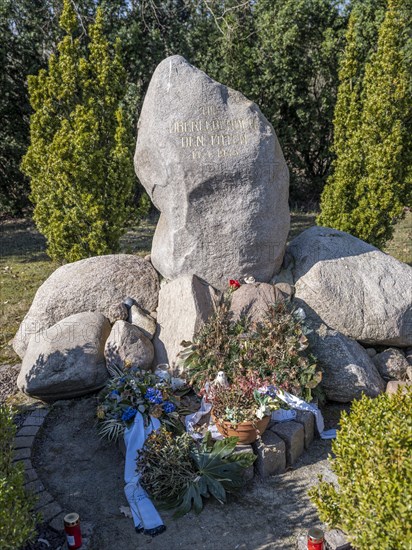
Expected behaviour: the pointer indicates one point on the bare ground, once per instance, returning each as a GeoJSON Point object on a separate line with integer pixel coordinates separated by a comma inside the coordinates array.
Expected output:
{"type": "Point", "coordinates": [85, 474]}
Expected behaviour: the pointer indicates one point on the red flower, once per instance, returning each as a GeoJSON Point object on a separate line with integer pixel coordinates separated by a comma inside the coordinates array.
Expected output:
{"type": "Point", "coordinates": [234, 283]}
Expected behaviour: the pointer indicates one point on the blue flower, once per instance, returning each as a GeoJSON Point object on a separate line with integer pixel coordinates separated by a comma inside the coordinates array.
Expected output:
{"type": "Point", "coordinates": [154, 396]}
{"type": "Point", "coordinates": [169, 407]}
{"type": "Point", "coordinates": [128, 414]}
{"type": "Point", "coordinates": [114, 394]}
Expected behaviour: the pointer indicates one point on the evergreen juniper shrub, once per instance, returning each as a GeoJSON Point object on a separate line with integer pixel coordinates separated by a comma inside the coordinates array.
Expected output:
{"type": "Point", "coordinates": [373, 465]}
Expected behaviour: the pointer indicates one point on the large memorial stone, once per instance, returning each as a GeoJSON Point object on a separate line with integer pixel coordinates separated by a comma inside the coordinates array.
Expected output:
{"type": "Point", "coordinates": [213, 166]}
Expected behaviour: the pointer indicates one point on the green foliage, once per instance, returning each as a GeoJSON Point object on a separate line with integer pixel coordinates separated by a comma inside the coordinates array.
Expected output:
{"type": "Point", "coordinates": [273, 350]}
{"type": "Point", "coordinates": [179, 474]}
{"type": "Point", "coordinates": [79, 157]}
{"type": "Point", "coordinates": [23, 33]}
{"type": "Point", "coordinates": [372, 177]}
{"type": "Point", "coordinates": [373, 464]}
{"type": "Point", "coordinates": [17, 523]}
{"type": "Point", "coordinates": [298, 45]}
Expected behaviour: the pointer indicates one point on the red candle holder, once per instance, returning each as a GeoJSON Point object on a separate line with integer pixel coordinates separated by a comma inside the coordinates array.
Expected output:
{"type": "Point", "coordinates": [72, 530]}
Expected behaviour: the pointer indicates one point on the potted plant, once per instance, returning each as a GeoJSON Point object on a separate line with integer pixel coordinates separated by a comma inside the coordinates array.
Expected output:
{"type": "Point", "coordinates": [275, 349]}
{"type": "Point", "coordinates": [242, 409]}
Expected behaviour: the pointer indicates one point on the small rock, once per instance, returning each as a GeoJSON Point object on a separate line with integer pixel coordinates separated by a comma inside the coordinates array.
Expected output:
{"type": "Point", "coordinates": [408, 355]}
{"type": "Point", "coordinates": [117, 312]}
{"type": "Point", "coordinates": [293, 434]}
{"type": "Point", "coordinates": [307, 419]}
{"type": "Point", "coordinates": [185, 305]}
{"type": "Point", "coordinates": [347, 370]}
{"type": "Point", "coordinates": [371, 352]}
{"type": "Point", "coordinates": [143, 321]}
{"type": "Point", "coordinates": [286, 289]}
{"type": "Point", "coordinates": [336, 540]}
{"type": "Point", "coordinates": [127, 343]}
{"type": "Point", "coordinates": [391, 364]}
{"type": "Point", "coordinates": [393, 385]}
{"type": "Point", "coordinates": [148, 258]}
{"type": "Point", "coordinates": [254, 301]}
{"type": "Point", "coordinates": [271, 454]}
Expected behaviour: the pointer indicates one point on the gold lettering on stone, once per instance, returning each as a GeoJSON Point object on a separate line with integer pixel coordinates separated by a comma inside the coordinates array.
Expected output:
{"type": "Point", "coordinates": [219, 135]}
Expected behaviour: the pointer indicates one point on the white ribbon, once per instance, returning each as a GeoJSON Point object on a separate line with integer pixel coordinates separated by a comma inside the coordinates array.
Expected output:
{"type": "Point", "coordinates": [297, 403]}
{"type": "Point", "coordinates": [145, 516]}
{"type": "Point", "coordinates": [280, 415]}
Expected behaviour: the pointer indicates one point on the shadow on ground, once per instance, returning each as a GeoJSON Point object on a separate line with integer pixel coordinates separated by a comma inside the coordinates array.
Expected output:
{"type": "Point", "coordinates": [85, 475]}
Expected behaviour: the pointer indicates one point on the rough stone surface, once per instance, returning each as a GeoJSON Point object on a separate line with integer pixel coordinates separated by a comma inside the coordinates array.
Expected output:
{"type": "Point", "coordinates": [336, 540]}
{"type": "Point", "coordinates": [143, 321]}
{"type": "Point", "coordinates": [270, 451]}
{"type": "Point", "coordinates": [391, 364]}
{"type": "Point", "coordinates": [184, 306]}
{"type": "Point", "coordinates": [213, 166]}
{"type": "Point", "coordinates": [353, 287]}
{"type": "Point", "coordinates": [408, 355]}
{"type": "Point", "coordinates": [347, 370]}
{"type": "Point", "coordinates": [126, 342]}
{"type": "Point", "coordinates": [254, 301]}
{"type": "Point", "coordinates": [66, 360]}
{"type": "Point", "coordinates": [286, 289]}
{"type": "Point", "coordinates": [393, 386]}
{"type": "Point", "coordinates": [307, 419]}
{"type": "Point", "coordinates": [117, 312]}
{"type": "Point", "coordinates": [293, 434]}
{"type": "Point", "coordinates": [95, 284]}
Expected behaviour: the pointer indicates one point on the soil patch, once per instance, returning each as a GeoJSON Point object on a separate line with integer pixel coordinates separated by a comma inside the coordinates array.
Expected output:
{"type": "Point", "coordinates": [85, 474]}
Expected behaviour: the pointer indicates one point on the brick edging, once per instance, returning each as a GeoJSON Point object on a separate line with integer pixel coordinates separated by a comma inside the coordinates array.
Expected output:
{"type": "Point", "coordinates": [46, 505]}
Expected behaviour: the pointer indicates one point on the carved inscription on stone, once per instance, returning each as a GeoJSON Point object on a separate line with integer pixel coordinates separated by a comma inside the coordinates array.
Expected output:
{"type": "Point", "coordinates": [212, 134]}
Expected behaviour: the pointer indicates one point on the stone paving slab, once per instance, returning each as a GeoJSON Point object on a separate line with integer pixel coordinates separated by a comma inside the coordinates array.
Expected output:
{"type": "Point", "coordinates": [308, 420]}
{"type": "Point", "coordinates": [271, 455]}
{"type": "Point", "coordinates": [20, 454]}
{"type": "Point", "coordinates": [292, 434]}
{"type": "Point", "coordinates": [50, 511]}
{"type": "Point", "coordinates": [35, 486]}
{"type": "Point", "coordinates": [43, 499]}
{"type": "Point", "coordinates": [24, 441]}
{"type": "Point", "coordinates": [30, 475]}
{"type": "Point", "coordinates": [29, 430]}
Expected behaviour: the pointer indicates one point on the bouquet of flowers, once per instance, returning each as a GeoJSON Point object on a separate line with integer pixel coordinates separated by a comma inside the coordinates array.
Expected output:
{"type": "Point", "coordinates": [132, 391]}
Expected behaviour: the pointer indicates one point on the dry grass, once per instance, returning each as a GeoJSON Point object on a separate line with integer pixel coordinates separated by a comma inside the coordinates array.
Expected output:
{"type": "Point", "coordinates": [24, 264]}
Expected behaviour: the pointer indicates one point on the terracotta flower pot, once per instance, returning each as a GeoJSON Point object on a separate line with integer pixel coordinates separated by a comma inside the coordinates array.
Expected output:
{"type": "Point", "coordinates": [247, 432]}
